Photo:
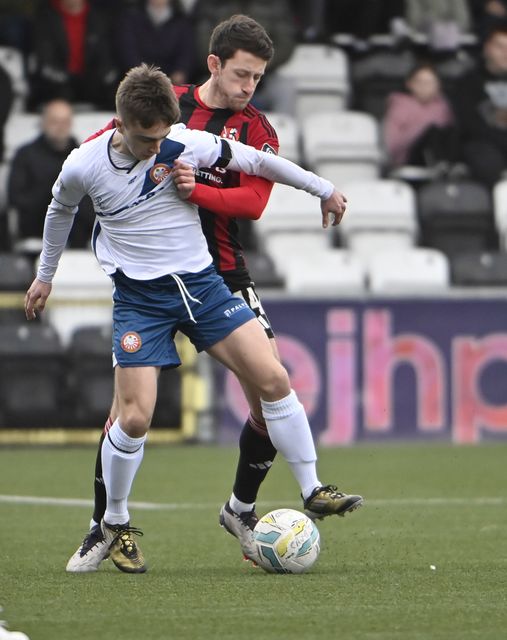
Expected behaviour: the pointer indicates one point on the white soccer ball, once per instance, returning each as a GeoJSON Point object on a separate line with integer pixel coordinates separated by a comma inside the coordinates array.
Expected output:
{"type": "Point", "coordinates": [287, 541]}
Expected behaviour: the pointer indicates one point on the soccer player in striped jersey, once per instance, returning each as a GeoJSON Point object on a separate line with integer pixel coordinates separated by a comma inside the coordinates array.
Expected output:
{"type": "Point", "coordinates": [239, 52]}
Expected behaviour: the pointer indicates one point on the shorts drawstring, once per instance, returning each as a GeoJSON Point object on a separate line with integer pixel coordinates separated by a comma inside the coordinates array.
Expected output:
{"type": "Point", "coordinates": [185, 295]}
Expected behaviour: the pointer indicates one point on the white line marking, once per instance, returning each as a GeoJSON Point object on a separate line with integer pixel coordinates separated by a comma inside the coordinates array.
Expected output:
{"type": "Point", "coordinates": [485, 501]}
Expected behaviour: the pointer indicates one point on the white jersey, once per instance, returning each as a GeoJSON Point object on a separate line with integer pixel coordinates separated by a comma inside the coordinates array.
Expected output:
{"type": "Point", "coordinates": [143, 228]}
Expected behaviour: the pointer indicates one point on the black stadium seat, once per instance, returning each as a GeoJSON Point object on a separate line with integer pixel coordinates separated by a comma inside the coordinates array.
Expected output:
{"type": "Point", "coordinates": [456, 217]}
{"type": "Point", "coordinates": [91, 380]}
{"type": "Point", "coordinates": [16, 272]}
{"type": "Point", "coordinates": [16, 275]}
{"type": "Point", "coordinates": [262, 270]}
{"type": "Point", "coordinates": [32, 377]}
{"type": "Point", "coordinates": [480, 268]}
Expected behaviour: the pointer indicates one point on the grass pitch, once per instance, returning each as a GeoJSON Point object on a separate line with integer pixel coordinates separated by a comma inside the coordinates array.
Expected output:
{"type": "Point", "coordinates": [426, 506]}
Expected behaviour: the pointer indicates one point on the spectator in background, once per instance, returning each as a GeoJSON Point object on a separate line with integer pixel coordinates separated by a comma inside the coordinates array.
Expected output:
{"type": "Point", "coordinates": [72, 56]}
{"type": "Point", "coordinates": [320, 19]}
{"type": "Point", "coordinates": [488, 15]}
{"type": "Point", "coordinates": [417, 124]}
{"type": "Point", "coordinates": [33, 172]}
{"type": "Point", "coordinates": [159, 33]}
{"type": "Point", "coordinates": [480, 106]}
{"type": "Point", "coordinates": [15, 21]}
{"type": "Point", "coordinates": [275, 93]}
{"type": "Point", "coordinates": [442, 21]}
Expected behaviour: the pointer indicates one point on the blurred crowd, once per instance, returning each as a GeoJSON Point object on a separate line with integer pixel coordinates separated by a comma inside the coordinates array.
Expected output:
{"type": "Point", "coordinates": [446, 109]}
{"type": "Point", "coordinates": [79, 49]}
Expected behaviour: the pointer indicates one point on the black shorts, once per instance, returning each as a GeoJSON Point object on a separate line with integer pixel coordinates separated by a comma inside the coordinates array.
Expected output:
{"type": "Point", "coordinates": [249, 295]}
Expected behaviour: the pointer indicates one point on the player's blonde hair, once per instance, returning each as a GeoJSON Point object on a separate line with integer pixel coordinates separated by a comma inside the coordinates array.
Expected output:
{"type": "Point", "coordinates": [145, 96]}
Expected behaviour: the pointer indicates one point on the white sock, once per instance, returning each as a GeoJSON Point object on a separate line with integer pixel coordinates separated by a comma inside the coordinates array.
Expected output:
{"type": "Point", "coordinates": [121, 457]}
{"type": "Point", "coordinates": [290, 433]}
{"type": "Point", "coordinates": [239, 507]}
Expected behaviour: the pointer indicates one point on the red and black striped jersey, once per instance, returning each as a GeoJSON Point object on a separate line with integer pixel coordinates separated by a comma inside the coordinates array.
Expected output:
{"type": "Point", "coordinates": [246, 196]}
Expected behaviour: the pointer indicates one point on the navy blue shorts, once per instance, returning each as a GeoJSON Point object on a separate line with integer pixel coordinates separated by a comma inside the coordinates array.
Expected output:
{"type": "Point", "coordinates": [148, 313]}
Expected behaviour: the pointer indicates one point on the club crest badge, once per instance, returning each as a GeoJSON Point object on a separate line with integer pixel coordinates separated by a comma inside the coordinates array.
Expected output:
{"type": "Point", "coordinates": [131, 342]}
{"type": "Point", "coordinates": [159, 172]}
{"type": "Point", "coordinates": [230, 133]}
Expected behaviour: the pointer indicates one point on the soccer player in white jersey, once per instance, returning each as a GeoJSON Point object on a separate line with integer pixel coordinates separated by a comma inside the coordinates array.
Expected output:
{"type": "Point", "coordinates": [151, 244]}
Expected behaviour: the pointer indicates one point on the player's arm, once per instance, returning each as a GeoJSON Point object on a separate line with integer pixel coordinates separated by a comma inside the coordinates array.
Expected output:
{"type": "Point", "coordinates": [249, 198]}
{"type": "Point", "coordinates": [246, 201]}
{"type": "Point", "coordinates": [57, 225]}
{"type": "Point", "coordinates": [278, 169]}
{"type": "Point", "coordinates": [209, 150]}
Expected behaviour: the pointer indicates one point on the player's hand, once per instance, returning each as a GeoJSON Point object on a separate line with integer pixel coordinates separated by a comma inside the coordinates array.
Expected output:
{"type": "Point", "coordinates": [333, 209]}
{"type": "Point", "coordinates": [35, 298]}
{"type": "Point", "coordinates": [184, 178]}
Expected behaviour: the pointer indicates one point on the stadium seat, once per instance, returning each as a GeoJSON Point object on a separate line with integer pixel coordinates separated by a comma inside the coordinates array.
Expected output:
{"type": "Point", "coordinates": [452, 67]}
{"type": "Point", "coordinates": [321, 77]}
{"type": "Point", "coordinates": [287, 131]}
{"type": "Point", "coordinates": [303, 245]}
{"type": "Point", "coordinates": [412, 271]}
{"type": "Point", "coordinates": [480, 269]}
{"type": "Point", "coordinates": [289, 210]}
{"type": "Point", "coordinates": [4, 177]}
{"type": "Point", "coordinates": [81, 294]}
{"type": "Point", "coordinates": [500, 211]}
{"type": "Point", "coordinates": [16, 275]}
{"type": "Point", "coordinates": [168, 411]}
{"type": "Point", "coordinates": [375, 75]}
{"type": "Point", "coordinates": [456, 217]}
{"type": "Point", "coordinates": [32, 376]}
{"type": "Point", "coordinates": [20, 129]}
{"type": "Point", "coordinates": [342, 146]}
{"type": "Point", "coordinates": [263, 270]}
{"type": "Point", "coordinates": [85, 123]}
{"type": "Point", "coordinates": [324, 272]}
{"type": "Point", "coordinates": [11, 59]}
{"type": "Point", "coordinates": [381, 214]}
{"type": "Point", "coordinates": [89, 357]}
{"type": "Point", "coordinates": [16, 272]}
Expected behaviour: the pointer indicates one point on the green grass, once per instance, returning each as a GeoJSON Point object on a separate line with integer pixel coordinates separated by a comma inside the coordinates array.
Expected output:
{"type": "Point", "coordinates": [373, 579]}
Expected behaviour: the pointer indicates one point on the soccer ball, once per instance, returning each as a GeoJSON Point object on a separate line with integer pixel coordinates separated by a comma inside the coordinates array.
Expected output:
{"type": "Point", "coordinates": [287, 541]}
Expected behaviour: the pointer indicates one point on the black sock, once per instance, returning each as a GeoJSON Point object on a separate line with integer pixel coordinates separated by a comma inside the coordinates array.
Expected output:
{"type": "Point", "coordinates": [256, 454]}
{"type": "Point", "coordinates": [99, 507]}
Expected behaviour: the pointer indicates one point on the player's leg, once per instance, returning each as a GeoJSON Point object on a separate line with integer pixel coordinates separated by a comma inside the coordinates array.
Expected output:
{"type": "Point", "coordinates": [99, 490]}
{"type": "Point", "coordinates": [247, 352]}
{"type": "Point", "coordinates": [122, 453]}
{"type": "Point", "coordinates": [256, 451]}
{"type": "Point", "coordinates": [88, 555]}
{"type": "Point", "coordinates": [129, 419]}
{"type": "Point", "coordinates": [256, 454]}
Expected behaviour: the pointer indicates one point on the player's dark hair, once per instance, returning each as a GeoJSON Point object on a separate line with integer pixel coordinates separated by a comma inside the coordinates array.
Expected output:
{"type": "Point", "coordinates": [145, 96]}
{"type": "Point", "coordinates": [240, 32]}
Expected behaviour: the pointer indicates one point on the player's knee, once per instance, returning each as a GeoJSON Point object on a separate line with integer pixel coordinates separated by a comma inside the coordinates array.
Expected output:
{"type": "Point", "coordinates": [135, 422]}
{"type": "Point", "coordinates": [275, 384]}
